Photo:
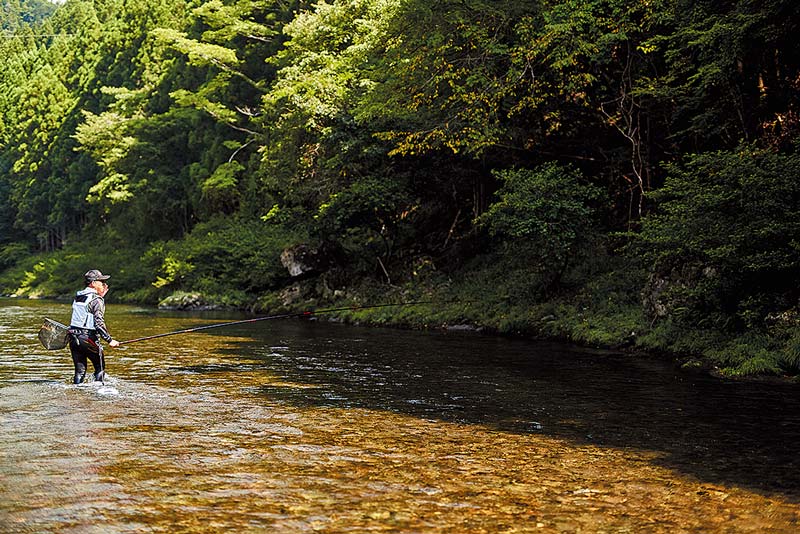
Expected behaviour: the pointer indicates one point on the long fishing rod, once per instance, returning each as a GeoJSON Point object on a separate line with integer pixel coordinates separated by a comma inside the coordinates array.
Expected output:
{"type": "Point", "coordinates": [270, 317]}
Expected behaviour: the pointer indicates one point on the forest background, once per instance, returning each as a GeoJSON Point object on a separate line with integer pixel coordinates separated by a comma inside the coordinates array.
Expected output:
{"type": "Point", "coordinates": [618, 173]}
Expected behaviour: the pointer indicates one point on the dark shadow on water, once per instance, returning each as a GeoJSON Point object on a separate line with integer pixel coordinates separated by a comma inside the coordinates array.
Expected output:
{"type": "Point", "coordinates": [719, 431]}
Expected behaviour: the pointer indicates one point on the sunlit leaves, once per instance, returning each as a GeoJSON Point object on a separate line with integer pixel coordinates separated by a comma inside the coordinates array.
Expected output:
{"type": "Point", "coordinates": [444, 83]}
{"type": "Point", "coordinates": [198, 52]}
{"type": "Point", "coordinates": [318, 140]}
{"type": "Point", "coordinates": [238, 19]}
{"type": "Point", "coordinates": [220, 189]}
{"type": "Point", "coordinates": [106, 137]}
{"type": "Point", "coordinates": [200, 101]}
{"type": "Point", "coordinates": [325, 67]}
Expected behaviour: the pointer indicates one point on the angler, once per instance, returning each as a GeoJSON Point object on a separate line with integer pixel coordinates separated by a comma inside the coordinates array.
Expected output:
{"type": "Point", "coordinates": [88, 325]}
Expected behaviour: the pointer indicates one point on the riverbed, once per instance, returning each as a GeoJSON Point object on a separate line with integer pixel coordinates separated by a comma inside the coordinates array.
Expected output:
{"type": "Point", "coordinates": [308, 426]}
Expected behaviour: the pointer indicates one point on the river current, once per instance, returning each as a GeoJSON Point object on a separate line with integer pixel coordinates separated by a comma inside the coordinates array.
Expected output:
{"type": "Point", "coordinates": [307, 426]}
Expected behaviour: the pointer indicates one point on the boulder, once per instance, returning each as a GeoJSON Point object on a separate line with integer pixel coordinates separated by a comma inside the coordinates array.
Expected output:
{"type": "Point", "coordinates": [301, 259]}
{"type": "Point", "coordinates": [185, 301]}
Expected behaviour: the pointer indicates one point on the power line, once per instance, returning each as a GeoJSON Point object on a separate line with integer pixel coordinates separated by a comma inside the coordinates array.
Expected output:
{"type": "Point", "coordinates": [9, 35]}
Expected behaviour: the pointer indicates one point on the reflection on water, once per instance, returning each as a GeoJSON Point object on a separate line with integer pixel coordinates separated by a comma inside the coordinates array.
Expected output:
{"type": "Point", "coordinates": [293, 426]}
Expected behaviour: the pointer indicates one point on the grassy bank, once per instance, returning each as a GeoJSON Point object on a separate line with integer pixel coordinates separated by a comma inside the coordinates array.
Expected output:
{"type": "Point", "coordinates": [597, 302]}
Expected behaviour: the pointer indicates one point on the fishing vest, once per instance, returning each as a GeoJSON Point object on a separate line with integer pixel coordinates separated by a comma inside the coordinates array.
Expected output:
{"type": "Point", "coordinates": [81, 317]}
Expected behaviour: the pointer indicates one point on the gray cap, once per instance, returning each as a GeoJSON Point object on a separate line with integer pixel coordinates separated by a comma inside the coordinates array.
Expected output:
{"type": "Point", "coordinates": [94, 275]}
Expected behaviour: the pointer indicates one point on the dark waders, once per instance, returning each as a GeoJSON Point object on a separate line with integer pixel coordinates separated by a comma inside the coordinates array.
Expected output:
{"type": "Point", "coordinates": [84, 345]}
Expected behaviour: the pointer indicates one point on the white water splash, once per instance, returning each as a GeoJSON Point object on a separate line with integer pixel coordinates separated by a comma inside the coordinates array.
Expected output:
{"type": "Point", "coordinates": [107, 391]}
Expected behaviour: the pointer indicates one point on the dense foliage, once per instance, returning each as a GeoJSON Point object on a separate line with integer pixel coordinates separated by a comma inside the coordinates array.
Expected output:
{"type": "Point", "coordinates": [614, 171]}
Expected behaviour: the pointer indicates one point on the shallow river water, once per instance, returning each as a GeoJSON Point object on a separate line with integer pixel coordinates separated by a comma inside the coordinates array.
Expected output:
{"type": "Point", "coordinates": [303, 426]}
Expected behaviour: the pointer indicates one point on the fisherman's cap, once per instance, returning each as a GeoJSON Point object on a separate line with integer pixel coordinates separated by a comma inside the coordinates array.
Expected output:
{"type": "Point", "coordinates": [94, 275]}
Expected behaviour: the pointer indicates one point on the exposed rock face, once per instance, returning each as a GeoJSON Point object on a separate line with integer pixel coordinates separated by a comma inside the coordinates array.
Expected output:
{"type": "Point", "coordinates": [655, 306]}
{"type": "Point", "coordinates": [672, 288]}
{"type": "Point", "coordinates": [291, 295]}
{"type": "Point", "coordinates": [301, 259]}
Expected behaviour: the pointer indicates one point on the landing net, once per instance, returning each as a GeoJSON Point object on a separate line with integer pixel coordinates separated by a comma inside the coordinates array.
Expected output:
{"type": "Point", "coordinates": [53, 335]}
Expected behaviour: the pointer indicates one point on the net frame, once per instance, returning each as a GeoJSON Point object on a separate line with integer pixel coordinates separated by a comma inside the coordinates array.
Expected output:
{"type": "Point", "coordinates": [53, 334]}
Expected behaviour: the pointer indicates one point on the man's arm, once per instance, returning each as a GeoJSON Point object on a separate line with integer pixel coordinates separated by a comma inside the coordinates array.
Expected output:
{"type": "Point", "coordinates": [97, 307]}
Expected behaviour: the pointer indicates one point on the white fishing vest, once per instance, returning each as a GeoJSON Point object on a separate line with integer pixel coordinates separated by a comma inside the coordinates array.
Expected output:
{"type": "Point", "coordinates": [81, 317]}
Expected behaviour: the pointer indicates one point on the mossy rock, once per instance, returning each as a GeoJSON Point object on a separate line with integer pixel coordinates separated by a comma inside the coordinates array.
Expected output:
{"type": "Point", "coordinates": [186, 301]}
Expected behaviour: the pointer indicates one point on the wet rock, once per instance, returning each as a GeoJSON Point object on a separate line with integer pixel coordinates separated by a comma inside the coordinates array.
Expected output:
{"type": "Point", "coordinates": [311, 260]}
{"type": "Point", "coordinates": [185, 301]}
{"type": "Point", "coordinates": [462, 328]}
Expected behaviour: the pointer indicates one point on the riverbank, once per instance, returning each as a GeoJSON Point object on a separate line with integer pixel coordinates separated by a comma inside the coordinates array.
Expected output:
{"type": "Point", "coordinates": [572, 325]}
{"type": "Point", "coordinates": [598, 303]}
{"type": "Point", "coordinates": [589, 317]}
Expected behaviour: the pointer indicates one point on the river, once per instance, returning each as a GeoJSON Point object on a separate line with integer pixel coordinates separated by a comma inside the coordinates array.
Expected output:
{"type": "Point", "coordinates": [304, 426]}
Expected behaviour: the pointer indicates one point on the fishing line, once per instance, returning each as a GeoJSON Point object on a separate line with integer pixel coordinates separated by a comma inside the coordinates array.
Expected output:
{"type": "Point", "coordinates": [270, 317]}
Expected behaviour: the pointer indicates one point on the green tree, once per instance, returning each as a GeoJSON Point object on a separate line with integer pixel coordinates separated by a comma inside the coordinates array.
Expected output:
{"type": "Point", "coordinates": [77, 51]}
{"type": "Point", "coordinates": [176, 146]}
{"type": "Point", "coordinates": [727, 235]}
{"type": "Point", "coordinates": [15, 14]}
{"type": "Point", "coordinates": [729, 71]}
{"type": "Point", "coordinates": [550, 210]}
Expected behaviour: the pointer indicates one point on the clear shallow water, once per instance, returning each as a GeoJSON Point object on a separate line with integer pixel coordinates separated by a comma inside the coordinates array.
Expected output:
{"type": "Point", "coordinates": [295, 426]}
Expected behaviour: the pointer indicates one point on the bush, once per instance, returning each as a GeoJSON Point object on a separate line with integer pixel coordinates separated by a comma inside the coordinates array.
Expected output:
{"type": "Point", "coordinates": [731, 220]}
{"type": "Point", "coordinates": [11, 253]}
{"type": "Point", "coordinates": [60, 273]}
{"type": "Point", "coordinates": [368, 221]}
{"type": "Point", "coordinates": [226, 259]}
{"type": "Point", "coordinates": [548, 208]}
